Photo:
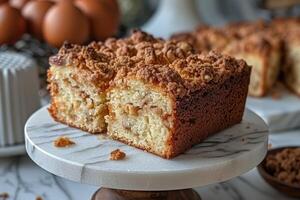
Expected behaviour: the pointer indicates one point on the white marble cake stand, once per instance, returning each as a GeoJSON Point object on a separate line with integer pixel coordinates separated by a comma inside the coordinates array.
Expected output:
{"type": "Point", "coordinates": [223, 156]}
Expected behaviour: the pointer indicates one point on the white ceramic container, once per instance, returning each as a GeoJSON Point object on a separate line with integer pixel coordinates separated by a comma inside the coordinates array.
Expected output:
{"type": "Point", "coordinates": [19, 85]}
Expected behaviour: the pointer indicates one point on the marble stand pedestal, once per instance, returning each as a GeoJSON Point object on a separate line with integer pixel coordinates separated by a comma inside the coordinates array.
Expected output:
{"type": "Point", "coordinates": [225, 155]}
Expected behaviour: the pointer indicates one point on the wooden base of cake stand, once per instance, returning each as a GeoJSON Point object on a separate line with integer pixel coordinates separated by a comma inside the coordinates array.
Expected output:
{"type": "Point", "coordinates": [112, 194]}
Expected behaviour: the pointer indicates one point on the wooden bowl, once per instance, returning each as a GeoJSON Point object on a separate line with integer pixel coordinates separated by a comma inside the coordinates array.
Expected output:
{"type": "Point", "coordinates": [288, 189]}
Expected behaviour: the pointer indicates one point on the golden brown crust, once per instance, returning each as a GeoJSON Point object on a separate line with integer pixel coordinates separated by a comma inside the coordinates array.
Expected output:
{"type": "Point", "coordinates": [100, 61]}
{"type": "Point", "coordinates": [285, 26]}
{"type": "Point", "coordinates": [248, 40]}
{"type": "Point", "coordinates": [225, 104]}
{"type": "Point", "coordinates": [204, 39]}
{"type": "Point", "coordinates": [260, 43]}
{"type": "Point", "coordinates": [240, 30]}
{"type": "Point", "coordinates": [166, 63]}
{"type": "Point", "coordinates": [185, 76]}
{"type": "Point", "coordinates": [191, 119]}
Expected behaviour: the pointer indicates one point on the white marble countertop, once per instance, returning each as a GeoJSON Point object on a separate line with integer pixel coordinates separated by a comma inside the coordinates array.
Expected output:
{"type": "Point", "coordinates": [24, 180]}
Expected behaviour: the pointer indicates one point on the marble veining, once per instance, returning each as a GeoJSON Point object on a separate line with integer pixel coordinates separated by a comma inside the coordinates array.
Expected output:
{"type": "Point", "coordinates": [248, 186]}
{"type": "Point", "coordinates": [227, 154]}
{"type": "Point", "coordinates": [22, 180]}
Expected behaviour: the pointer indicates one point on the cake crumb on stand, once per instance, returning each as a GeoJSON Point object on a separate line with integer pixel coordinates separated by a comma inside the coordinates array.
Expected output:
{"type": "Point", "coordinates": [117, 155]}
{"type": "Point", "coordinates": [63, 141]}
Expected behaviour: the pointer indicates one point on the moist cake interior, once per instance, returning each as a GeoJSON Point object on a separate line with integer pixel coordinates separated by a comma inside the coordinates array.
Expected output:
{"type": "Point", "coordinates": [76, 101]}
{"type": "Point", "coordinates": [140, 116]}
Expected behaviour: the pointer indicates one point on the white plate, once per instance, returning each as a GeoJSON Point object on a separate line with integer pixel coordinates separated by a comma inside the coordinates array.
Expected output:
{"type": "Point", "coordinates": [227, 154]}
{"type": "Point", "coordinates": [280, 114]}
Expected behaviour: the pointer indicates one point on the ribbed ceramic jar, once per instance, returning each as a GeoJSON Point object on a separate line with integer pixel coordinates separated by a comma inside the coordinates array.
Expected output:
{"type": "Point", "coordinates": [19, 85]}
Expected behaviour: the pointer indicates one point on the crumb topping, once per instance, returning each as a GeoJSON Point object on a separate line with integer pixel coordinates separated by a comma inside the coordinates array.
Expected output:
{"type": "Point", "coordinates": [170, 64]}
{"type": "Point", "coordinates": [253, 43]}
{"type": "Point", "coordinates": [63, 141]}
{"type": "Point", "coordinates": [285, 26]}
{"type": "Point", "coordinates": [117, 155]}
{"type": "Point", "coordinates": [240, 30]}
{"type": "Point", "coordinates": [285, 166]}
{"type": "Point", "coordinates": [204, 39]}
{"type": "Point", "coordinates": [234, 38]}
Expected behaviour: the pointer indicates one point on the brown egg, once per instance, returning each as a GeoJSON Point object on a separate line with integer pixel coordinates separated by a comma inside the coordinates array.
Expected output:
{"type": "Point", "coordinates": [65, 22]}
{"type": "Point", "coordinates": [12, 24]}
{"type": "Point", "coordinates": [34, 13]}
{"type": "Point", "coordinates": [3, 1]}
{"type": "Point", "coordinates": [104, 17]}
{"type": "Point", "coordinates": [61, 0]}
{"type": "Point", "coordinates": [18, 3]}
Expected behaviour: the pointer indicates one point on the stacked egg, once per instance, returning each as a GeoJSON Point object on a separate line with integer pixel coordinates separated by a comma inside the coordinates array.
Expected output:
{"type": "Point", "coordinates": [56, 21]}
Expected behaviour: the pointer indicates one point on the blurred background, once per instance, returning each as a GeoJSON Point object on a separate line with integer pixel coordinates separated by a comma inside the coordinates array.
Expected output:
{"type": "Point", "coordinates": [33, 30]}
{"type": "Point", "coordinates": [36, 35]}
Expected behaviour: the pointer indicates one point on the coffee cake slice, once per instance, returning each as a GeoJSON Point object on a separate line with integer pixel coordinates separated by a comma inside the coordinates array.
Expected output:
{"type": "Point", "coordinates": [77, 87]}
{"type": "Point", "coordinates": [204, 39]}
{"type": "Point", "coordinates": [153, 94]}
{"type": "Point", "coordinates": [79, 76]}
{"type": "Point", "coordinates": [166, 109]}
{"type": "Point", "coordinates": [291, 67]}
{"type": "Point", "coordinates": [262, 51]}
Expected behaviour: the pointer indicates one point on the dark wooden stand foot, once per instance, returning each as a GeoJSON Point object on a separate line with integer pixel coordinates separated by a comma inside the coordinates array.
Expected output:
{"type": "Point", "coordinates": [111, 194]}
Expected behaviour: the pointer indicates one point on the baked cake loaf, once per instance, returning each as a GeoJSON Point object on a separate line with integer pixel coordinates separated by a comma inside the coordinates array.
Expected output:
{"type": "Point", "coordinates": [204, 39]}
{"type": "Point", "coordinates": [254, 42]}
{"type": "Point", "coordinates": [289, 31]}
{"type": "Point", "coordinates": [79, 76]}
{"type": "Point", "coordinates": [165, 109]}
{"type": "Point", "coordinates": [291, 69]}
{"type": "Point", "coordinates": [153, 94]}
{"type": "Point", "coordinates": [240, 30]}
{"type": "Point", "coordinates": [263, 52]}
